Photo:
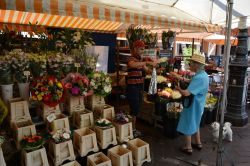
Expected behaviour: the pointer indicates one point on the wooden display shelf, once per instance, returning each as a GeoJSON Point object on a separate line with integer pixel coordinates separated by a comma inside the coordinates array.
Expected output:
{"type": "Point", "coordinates": [140, 151]}
{"type": "Point", "coordinates": [98, 159]}
{"type": "Point", "coordinates": [123, 131]}
{"type": "Point", "coordinates": [85, 141]}
{"type": "Point", "coordinates": [23, 128]}
{"type": "Point", "coordinates": [105, 136]}
{"type": "Point", "coordinates": [35, 158]}
{"type": "Point", "coordinates": [83, 119]}
{"type": "Point", "coordinates": [61, 152]}
{"type": "Point", "coordinates": [120, 156]}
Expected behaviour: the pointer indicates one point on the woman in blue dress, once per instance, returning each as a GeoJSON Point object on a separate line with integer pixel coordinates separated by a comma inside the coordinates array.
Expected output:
{"type": "Point", "coordinates": [190, 117]}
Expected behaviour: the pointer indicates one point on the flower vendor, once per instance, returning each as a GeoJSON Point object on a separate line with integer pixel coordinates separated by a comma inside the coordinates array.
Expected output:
{"type": "Point", "coordinates": [135, 79]}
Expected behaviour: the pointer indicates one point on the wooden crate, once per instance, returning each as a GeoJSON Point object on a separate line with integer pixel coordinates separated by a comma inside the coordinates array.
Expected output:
{"type": "Point", "coordinates": [61, 152]}
{"type": "Point", "coordinates": [105, 136]}
{"type": "Point", "coordinates": [61, 122]}
{"type": "Point", "coordinates": [94, 101]}
{"type": "Point", "coordinates": [72, 102]}
{"type": "Point", "coordinates": [85, 141]}
{"type": "Point", "coordinates": [72, 163]}
{"type": "Point", "coordinates": [35, 158]}
{"type": "Point", "coordinates": [83, 119]}
{"type": "Point", "coordinates": [21, 129]}
{"type": "Point", "coordinates": [2, 161]}
{"type": "Point", "coordinates": [46, 111]}
{"type": "Point", "coordinates": [124, 132]}
{"type": "Point", "coordinates": [19, 110]}
{"type": "Point", "coordinates": [106, 112]}
{"type": "Point", "coordinates": [98, 159]}
{"type": "Point", "coordinates": [120, 156]}
{"type": "Point", "coordinates": [140, 151]}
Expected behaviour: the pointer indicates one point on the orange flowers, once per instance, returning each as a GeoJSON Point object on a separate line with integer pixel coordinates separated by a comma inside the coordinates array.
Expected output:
{"type": "Point", "coordinates": [32, 142]}
{"type": "Point", "coordinates": [48, 90]}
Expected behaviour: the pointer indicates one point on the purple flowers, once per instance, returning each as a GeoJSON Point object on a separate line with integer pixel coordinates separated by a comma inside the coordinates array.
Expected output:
{"type": "Point", "coordinates": [75, 91]}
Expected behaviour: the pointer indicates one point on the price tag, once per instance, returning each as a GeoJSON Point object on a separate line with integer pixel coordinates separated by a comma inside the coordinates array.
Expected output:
{"type": "Point", "coordinates": [77, 65]}
{"type": "Point", "coordinates": [26, 73]}
{"type": "Point", "coordinates": [51, 117]}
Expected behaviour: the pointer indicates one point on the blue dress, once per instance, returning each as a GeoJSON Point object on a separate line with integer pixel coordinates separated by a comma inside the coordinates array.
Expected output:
{"type": "Point", "coordinates": [190, 117]}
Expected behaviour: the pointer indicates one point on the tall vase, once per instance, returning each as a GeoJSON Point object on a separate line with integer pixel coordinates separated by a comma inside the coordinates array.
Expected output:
{"type": "Point", "coordinates": [7, 92]}
{"type": "Point", "coordinates": [24, 91]}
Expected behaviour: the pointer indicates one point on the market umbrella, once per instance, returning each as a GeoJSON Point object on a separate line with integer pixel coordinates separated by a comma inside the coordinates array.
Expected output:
{"type": "Point", "coordinates": [220, 39]}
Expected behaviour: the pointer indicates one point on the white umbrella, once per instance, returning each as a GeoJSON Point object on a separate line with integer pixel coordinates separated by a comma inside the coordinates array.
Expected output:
{"type": "Point", "coordinates": [206, 11]}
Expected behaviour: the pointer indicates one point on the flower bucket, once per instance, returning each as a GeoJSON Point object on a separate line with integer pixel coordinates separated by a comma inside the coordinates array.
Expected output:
{"type": "Point", "coordinates": [7, 92]}
{"type": "Point", "coordinates": [35, 157]}
{"type": "Point", "coordinates": [2, 161]}
{"type": "Point", "coordinates": [24, 90]}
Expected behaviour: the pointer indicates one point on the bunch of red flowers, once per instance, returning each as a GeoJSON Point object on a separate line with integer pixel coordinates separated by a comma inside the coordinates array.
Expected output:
{"type": "Point", "coordinates": [48, 90]}
{"type": "Point", "coordinates": [32, 142]}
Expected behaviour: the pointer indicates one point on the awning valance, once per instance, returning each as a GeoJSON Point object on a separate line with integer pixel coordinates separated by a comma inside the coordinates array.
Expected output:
{"type": "Point", "coordinates": [85, 15]}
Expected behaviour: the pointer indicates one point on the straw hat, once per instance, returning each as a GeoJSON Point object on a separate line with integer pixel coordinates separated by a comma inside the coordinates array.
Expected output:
{"type": "Point", "coordinates": [198, 58]}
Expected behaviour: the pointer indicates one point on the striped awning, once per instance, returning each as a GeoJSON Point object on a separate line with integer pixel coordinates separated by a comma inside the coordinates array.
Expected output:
{"type": "Point", "coordinates": [84, 15]}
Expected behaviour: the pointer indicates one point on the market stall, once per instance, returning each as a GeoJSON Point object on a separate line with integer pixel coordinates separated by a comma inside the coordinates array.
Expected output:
{"type": "Point", "coordinates": [59, 82]}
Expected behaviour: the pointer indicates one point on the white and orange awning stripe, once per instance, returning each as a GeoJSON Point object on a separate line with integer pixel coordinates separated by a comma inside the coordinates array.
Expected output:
{"type": "Point", "coordinates": [84, 15]}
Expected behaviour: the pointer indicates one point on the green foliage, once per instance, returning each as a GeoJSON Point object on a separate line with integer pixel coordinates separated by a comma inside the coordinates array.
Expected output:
{"type": "Point", "coordinates": [167, 39]}
{"type": "Point", "coordinates": [151, 40]}
{"type": "Point", "coordinates": [135, 33]}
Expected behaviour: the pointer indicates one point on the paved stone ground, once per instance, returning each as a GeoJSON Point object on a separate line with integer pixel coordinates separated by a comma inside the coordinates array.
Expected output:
{"type": "Point", "coordinates": [164, 151]}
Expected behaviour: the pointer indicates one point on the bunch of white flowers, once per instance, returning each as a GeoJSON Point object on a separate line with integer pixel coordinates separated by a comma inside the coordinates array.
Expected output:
{"type": "Point", "coordinates": [61, 135]}
{"type": "Point", "coordinates": [100, 83]}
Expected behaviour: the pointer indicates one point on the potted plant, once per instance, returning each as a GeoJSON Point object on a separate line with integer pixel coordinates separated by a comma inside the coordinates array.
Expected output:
{"type": "Point", "coordinates": [151, 40]}
{"type": "Point", "coordinates": [168, 39]}
{"type": "Point", "coordinates": [37, 64]}
{"type": "Point", "coordinates": [31, 143]}
{"type": "Point", "coordinates": [61, 135]}
{"type": "Point", "coordinates": [61, 147]}
{"type": "Point", "coordinates": [54, 64]}
{"type": "Point", "coordinates": [6, 78]}
{"type": "Point", "coordinates": [135, 33]}
{"type": "Point", "coordinates": [21, 69]}
{"type": "Point", "coordinates": [103, 123]}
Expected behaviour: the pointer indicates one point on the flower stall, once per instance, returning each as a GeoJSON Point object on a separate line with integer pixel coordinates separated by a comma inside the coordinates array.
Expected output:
{"type": "Point", "coordinates": [58, 73]}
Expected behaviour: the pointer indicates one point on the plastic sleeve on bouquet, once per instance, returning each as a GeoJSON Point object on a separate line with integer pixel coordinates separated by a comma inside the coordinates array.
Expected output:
{"type": "Point", "coordinates": [153, 83]}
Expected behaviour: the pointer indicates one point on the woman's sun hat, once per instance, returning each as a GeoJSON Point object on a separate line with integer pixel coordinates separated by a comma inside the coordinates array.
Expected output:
{"type": "Point", "coordinates": [198, 58]}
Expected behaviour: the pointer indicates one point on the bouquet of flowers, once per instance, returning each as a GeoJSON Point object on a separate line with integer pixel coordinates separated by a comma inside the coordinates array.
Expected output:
{"type": "Point", "coordinates": [100, 83]}
{"type": "Point", "coordinates": [67, 64]}
{"type": "Point", "coordinates": [77, 84]}
{"type": "Point", "coordinates": [20, 63]}
{"type": "Point", "coordinates": [61, 135]}
{"type": "Point", "coordinates": [103, 123]}
{"type": "Point", "coordinates": [122, 118]}
{"type": "Point", "coordinates": [5, 70]}
{"type": "Point", "coordinates": [32, 142]}
{"type": "Point", "coordinates": [37, 64]}
{"type": "Point", "coordinates": [48, 90]}
{"type": "Point", "coordinates": [54, 64]}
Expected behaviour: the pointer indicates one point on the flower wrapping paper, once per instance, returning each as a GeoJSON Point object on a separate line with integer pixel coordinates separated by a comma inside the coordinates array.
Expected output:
{"type": "Point", "coordinates": [153, 83]}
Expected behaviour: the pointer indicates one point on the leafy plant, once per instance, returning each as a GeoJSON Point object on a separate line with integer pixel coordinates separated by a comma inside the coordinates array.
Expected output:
{"type": "Point", "coordinates": [32, 142]}
{"type": "Point", "coordinates": [151, 40]}
{"type": "Point", "coordinates": [167, 39]}
{"type": "Point", "coordinates": [135, 33]}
